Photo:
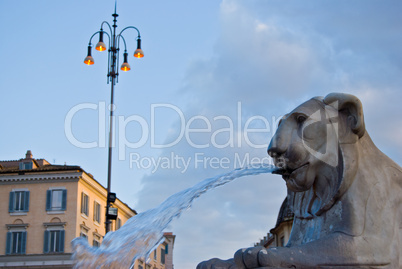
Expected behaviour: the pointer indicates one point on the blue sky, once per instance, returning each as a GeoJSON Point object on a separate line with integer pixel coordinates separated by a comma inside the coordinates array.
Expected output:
{"type": "Point", "coordinates": [202, 59]}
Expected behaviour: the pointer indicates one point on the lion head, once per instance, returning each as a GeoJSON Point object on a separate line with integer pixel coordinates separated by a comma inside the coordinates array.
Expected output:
{"type": "Point", "coordinates": [309, 147]}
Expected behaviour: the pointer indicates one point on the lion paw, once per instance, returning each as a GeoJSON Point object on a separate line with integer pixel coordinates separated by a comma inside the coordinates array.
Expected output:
{"type": "Point", "coordinates": [257, 257]}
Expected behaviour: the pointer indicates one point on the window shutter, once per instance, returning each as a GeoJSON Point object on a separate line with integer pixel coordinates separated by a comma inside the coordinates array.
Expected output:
{"type": "Point", "coordinates": [8, 244]}
{"type": "Point", "coordinates": [26, 201]}
{"type": "Point", "coordinates": [87, 208]}
{"type": "Point", "coordinates": [64, 201]}
{"type": "Point", "coordinates": [82, 202]}
{"type": "Point", "coordinates": [23, 242]}
{"type": "Point", "coordinates": [48, 200]}
{"type": "Point", "coordinates": [162, 256]}
{"type": "Point", "coordinates": [94, 210]}
{"type": "Point", "coordinates": [11, 202]}
{"type": "Point", "coordinates": [46, 242]}
{"type": "Point", "coordinates": [61, 241]}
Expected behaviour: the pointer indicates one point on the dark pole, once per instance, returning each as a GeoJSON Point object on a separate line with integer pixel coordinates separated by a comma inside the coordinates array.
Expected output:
{"type": "Point", "coordinates": [113, 75]}
{"type": "Point", "coordinates": [109, 167]}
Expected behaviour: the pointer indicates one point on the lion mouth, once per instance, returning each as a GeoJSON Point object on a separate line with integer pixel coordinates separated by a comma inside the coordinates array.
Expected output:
{"type": "Point", "coordinates": [287, 173]}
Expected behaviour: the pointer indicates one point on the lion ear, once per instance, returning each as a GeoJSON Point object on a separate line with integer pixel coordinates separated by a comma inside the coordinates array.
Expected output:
{"type": "Point", "coordinates": [350, 105]}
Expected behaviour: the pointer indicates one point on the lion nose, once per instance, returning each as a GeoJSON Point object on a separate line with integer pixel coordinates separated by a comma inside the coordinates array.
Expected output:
{"type": "Point", "coordinates": [277, 146]}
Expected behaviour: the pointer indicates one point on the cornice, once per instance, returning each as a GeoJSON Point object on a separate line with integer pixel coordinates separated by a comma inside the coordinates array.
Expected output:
{"type": "Point", "coordinates": [54, 224]}
{"type": "Point", "coordinates": [16, 226]}
{"type": "Point", "coordinates": [12, 179]}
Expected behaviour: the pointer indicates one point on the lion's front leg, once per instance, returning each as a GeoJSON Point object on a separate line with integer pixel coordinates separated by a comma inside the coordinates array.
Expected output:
{"type": "Point", "coordinates": [260, 257]}
{"type": "Point", "coordinates": [337, 250]}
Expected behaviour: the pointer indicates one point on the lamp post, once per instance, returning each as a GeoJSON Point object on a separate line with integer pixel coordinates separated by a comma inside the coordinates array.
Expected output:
{"type": "Point", "coordinates": [112, 78]}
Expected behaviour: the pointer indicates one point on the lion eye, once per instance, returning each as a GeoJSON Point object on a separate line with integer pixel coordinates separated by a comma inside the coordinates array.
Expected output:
{"type": "Point", "coordinates": [301, 119]}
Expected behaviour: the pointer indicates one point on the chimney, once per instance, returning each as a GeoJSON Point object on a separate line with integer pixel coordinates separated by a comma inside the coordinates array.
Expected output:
{"type": "Point", "coordinates": [28, 155]}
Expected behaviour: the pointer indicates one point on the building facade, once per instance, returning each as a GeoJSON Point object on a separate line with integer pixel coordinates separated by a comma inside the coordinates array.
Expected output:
{"type": "Point", "coordinates": [279, 235]}
{"type": "Point", "coordinates": [161, 257]}
{"type": "Point", "coordinates": [45, 206]}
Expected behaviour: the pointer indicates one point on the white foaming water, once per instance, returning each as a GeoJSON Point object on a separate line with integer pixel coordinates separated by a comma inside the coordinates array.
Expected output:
{"type": "Point", "coordinates": [142, 233]}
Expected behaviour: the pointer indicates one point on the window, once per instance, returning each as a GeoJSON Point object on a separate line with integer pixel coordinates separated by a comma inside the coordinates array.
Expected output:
{"type": "Point", "coordinates": [118, 223]}
{"type": "Point", "coordinates": [83, 234]}
{"type": "Point", "coordinates": [84, 231]}
{"type": "Point", "coordinates": [54, 241]}
{"type": "Point", "coordinates": [16, 242]}
{"type": "Point", "coordinates": [96, 242]}
{"type": "Point", "coordinates": [19, 201]}
{"type": "Point", "coordinates": [162, 256]}
{"type": "Point", "coordinates": [56, 200]}
{"type": "Point", "coordinates": [97, 212]}
{"type": "Point", "coordinates": [167, 249]}
{"type": "Point", "coordinates": [26, 165]}
{"type": "Point", "coordinates": [155, 254]}
{"type": "Point", "coordinates": [84, 204]}
{"type": "Point", "coordinates": [140, 267]}
{"type": "Point", "coordinates": [282, 241]}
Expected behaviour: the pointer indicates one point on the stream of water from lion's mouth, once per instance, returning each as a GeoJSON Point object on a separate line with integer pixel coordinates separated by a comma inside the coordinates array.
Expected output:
{"type": "Point", "coordinates": [142, 233]}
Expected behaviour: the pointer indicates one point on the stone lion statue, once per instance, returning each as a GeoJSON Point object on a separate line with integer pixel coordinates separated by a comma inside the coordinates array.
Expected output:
{"type": "Point", "coordinates": [344, 192]}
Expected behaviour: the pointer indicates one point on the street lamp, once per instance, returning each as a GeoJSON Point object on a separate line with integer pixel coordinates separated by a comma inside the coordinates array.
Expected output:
{"type": "Point", "coordinates": [112, 77]}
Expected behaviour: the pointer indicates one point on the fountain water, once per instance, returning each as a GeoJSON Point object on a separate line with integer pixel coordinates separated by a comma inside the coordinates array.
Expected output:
{"type": "Point", "coordinates": [142, 233]}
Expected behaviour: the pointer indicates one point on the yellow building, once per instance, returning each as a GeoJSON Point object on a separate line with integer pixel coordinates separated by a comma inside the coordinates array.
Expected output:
{"type": "Point", "coordinates": [44, 206]}
{"type": "Point", "coordinates": [279, 235]}
{"type": "Point", "coordinates": [162, 256]}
